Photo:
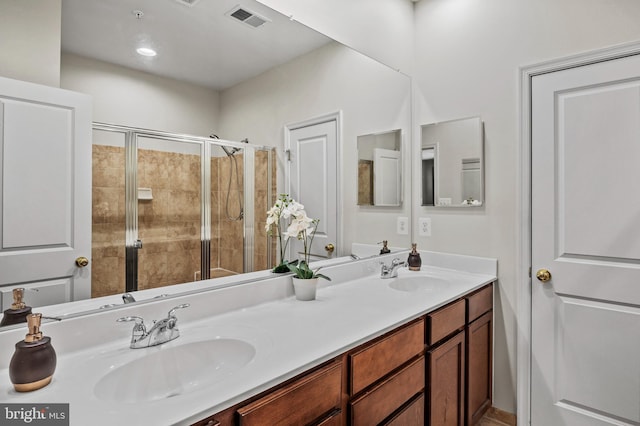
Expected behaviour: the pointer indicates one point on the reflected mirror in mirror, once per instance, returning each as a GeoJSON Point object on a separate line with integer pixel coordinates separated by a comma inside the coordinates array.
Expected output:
{"type": "Point", "coordinates": [452, 157]}
{"type": "Point", "coordinates": [380, 169]}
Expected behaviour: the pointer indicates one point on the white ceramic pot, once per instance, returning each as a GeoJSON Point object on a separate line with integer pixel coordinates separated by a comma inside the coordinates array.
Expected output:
{"type": "Point", "coordinates": [305, 289]}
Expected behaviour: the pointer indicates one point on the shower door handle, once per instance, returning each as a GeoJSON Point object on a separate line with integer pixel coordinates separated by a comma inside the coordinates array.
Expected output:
{"type": "Point", "coordinates": [137, 244]}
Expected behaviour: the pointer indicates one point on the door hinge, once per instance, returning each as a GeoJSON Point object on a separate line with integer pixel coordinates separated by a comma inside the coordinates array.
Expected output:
{"type": "Point", "coordinates": [529, 271]}
{"type": "Point", "coordinates": [287, 153]}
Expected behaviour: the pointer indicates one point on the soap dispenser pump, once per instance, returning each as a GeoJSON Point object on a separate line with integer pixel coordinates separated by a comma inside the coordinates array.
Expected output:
{"type": "Point", "coordinates": [414, 260]}
{"type": "Point", "coordinates": [18, 311]}
{"type": "Point", "coordinates": [34, 360]}
{"type": "Point", "coordinates": [384, 249]}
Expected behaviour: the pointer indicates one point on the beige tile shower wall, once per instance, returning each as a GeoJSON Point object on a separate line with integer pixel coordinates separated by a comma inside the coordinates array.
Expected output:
{"type": "Point", "coordinates": [365, 183]}
{"type": "Point", "coordinates": [261, 186]}
{"type": "Point", "coordinates": [230, 252]}
{"type": "Point", "coordinates": [168, 225]}
{"type": "Point", "coordinates": [227, 235]}
{"type": "Point", "coordinates": [108, 239]}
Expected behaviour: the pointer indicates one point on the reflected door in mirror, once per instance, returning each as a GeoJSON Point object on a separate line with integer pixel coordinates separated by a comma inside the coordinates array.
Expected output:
{"type": "Point", "coordinates": [380, 169]}
{"type": "Point", "coordinates": [453, 163]}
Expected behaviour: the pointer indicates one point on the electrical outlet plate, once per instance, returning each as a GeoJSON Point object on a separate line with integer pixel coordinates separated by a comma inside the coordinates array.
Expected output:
{"type": "Point", "coordinates": [403, 225]}
{"type": "Point", "coordinates": [424, 226]}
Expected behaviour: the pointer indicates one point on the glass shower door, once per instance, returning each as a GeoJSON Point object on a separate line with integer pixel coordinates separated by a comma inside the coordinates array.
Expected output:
{"type": "Point", "coordinates": [168, 203]}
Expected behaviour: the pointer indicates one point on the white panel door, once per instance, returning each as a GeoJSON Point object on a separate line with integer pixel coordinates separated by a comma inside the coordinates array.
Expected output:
{"type": "Point", "coordinates": [386, 177]}
{"type": "Point", "coordinates": [45, 186]}
{"type": "Point", "coordinates": [586, 232]}
{"type": "Point", "coordinates": [313, 182]}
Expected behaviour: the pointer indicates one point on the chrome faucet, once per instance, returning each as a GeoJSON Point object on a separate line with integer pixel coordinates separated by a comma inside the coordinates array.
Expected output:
{"type": "Point", "coordinates": [392, 270]}
{"type": "Point", "coordinates": [161, 331]}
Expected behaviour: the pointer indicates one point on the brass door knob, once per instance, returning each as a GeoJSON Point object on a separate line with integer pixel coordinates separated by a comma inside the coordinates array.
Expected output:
{"type": "Point", "coordinates": [82, 261]}
{"type": "Point", "coordinates": [543, 275]}
{"type": "Point", "coordinates": [329, 248]}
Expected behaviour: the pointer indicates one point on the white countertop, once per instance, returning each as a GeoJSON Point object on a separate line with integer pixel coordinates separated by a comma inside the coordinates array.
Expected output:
{"type": "Point", "coordinates": [289, 337]}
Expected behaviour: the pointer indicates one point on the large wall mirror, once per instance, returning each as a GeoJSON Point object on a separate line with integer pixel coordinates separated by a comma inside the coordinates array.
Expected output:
{"type": "Point", "coordinates": [380, 169]}
{"type": "Point", "coordinates": [452, 159]}
{"type": "Point", "coordinates": [249, 77]}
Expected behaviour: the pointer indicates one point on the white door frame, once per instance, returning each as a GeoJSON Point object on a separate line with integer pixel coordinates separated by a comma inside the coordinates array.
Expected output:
{"type": "Point", "coordinates": [523, 279]}
{"type": "Point", "coordinates": [288, 128]}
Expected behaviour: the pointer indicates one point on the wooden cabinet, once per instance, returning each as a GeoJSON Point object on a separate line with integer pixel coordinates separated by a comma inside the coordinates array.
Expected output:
{"type": "Point", "coordinates": [479, 335]}
{"type": "Point", "coordinates": [386, 374]}
{"type": "Point", "coordinates": [434, 370]}
{"type": "Point", "coordinates": [446, 356]}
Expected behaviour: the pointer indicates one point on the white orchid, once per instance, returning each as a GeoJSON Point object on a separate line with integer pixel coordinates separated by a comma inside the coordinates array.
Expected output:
{"type": "Point", "coordinates": [282, 210]}
{"type": "Point", "coordinates": [301, 226]}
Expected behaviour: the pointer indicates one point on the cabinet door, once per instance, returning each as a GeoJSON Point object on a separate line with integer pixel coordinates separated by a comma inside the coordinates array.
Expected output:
{"type": "Point", "coordinates": [45, 185]}
{"type": "Point", "coordinates": [479, 351]}
{"type": "Point", "coordinates": [446, 382]}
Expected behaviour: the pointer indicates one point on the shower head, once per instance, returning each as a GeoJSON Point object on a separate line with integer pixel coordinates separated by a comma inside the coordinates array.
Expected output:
{"type": "Point", "coordinates": [229, 150]}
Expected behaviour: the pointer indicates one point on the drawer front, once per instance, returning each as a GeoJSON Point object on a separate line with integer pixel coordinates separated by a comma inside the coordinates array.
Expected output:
{"type": "Point", "coordinates": [377, 360]}
{"type": "Point", "coordinates": [445, 321]}
{"type": "Point", "coordinates": [300, 402]}
{"type": "Point", "coordinates": [479, 302]}
{"type": "Point", "coordinates": [334, 420]}
{"type": "Point", "coordinates": [412, 414]}
{"type": "Point", "coordinates": [389, 395]}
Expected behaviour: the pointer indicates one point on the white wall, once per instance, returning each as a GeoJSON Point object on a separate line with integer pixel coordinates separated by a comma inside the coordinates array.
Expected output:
{"type": "Point", "coordinates": [134, 98]}
{"type": "Point", "coordinates": [468, 55]}
{"type": "Point", "coordinates": [372, 97]}
{"type": "Point", "coordinates": [381, 29]}
{"type": "Point", "coordinates": [30, 40]}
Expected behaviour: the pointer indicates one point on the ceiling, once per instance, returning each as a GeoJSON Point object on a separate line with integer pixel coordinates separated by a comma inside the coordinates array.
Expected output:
{"type": "Point", "coordinates": [198, 44]}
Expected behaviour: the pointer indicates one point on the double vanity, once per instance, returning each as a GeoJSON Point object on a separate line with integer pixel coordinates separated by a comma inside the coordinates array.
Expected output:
{"type": "Point", "coordinates": [367, 351]}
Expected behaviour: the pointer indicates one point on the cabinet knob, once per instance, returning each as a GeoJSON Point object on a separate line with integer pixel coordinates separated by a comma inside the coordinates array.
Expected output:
{"type": "Point", "coordinates": [329, 248]}
{"type": "Point", "coordinates": [543, 275]}
{"type": "Point", "coordinates": [82, 261]}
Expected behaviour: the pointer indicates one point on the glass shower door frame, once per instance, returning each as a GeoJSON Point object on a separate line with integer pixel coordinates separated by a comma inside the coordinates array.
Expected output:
{"type": "Point", "coordinates": [207, 145]}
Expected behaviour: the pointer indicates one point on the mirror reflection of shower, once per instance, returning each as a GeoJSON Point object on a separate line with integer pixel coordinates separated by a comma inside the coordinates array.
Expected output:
{"type": "Point", "coordinates": [233, 161]}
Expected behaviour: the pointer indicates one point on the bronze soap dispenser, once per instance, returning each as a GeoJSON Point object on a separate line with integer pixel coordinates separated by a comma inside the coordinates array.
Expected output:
{"type": "Point", "coordinates": [18, 311]}
{"type": "Point", "coordinates": [34, 360]}
{"type": "Point", "coordinates": [414, 260]}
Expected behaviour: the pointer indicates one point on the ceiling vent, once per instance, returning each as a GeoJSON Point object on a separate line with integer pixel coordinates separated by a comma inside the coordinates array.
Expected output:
{"type": "Point", "coordinates": [246, 16]}
{"type": "Point", "coordinates": [189, 3]}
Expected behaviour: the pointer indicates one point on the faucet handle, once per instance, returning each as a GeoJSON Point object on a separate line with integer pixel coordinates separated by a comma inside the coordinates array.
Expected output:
{"type": "Point", "coordinates": [139, 322]}
{"type": "Point", "coordinates": [173, 311]}
{"type": "Point", "coordinates": [396, 261]}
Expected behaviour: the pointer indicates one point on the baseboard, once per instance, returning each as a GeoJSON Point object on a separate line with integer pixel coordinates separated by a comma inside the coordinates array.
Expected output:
{"type": "Point", "coordinates": [496, 414]}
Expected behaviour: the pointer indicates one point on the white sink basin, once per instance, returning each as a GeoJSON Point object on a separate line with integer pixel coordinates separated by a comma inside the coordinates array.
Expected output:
{"type": "Point", "coordinates": [176, 370]}
{"type": "Point", "coordinates": [420, 282]}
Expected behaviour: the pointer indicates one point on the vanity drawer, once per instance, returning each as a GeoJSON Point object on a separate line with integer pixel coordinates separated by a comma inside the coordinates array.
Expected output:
{"type": "Point", "coordinates": [412, 414]}
{"type": "Point", "coordinates": [385, 355]}
{"type": "Point", "coordinates": [445, 321]}
{"type": "Point", "coordinates": [302, 402]}
{"type": "Point", "coordinates": [386, 397]}
{"type": "Point", "coordinates": [479, 302]}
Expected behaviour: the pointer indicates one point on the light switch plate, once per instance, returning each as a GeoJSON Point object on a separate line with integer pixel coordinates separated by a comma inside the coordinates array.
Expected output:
{"type": "Point", "coordinates": [424, 226]}
{"type": "Point", "coordinates": [403, 225]}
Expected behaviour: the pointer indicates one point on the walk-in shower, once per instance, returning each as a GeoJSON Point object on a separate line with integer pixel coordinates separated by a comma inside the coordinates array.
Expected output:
{"type": "Point", "coordinates": [171, 208]}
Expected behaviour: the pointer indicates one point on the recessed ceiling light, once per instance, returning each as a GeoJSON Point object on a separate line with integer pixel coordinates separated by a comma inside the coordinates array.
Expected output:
{"type": "Point", "coordinates": [145, 51]}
